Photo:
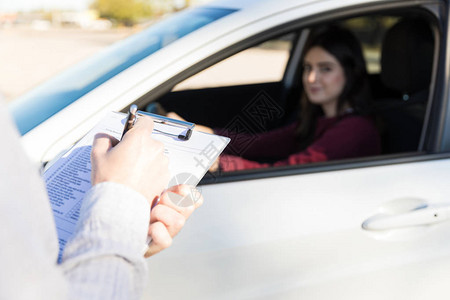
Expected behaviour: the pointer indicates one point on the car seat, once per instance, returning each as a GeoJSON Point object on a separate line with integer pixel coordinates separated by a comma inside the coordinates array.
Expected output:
{"type": "Point", "coordinates": [406, 68]}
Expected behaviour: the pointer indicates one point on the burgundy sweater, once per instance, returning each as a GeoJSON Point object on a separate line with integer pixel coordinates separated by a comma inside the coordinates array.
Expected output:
{"type": "Point", "coordinates": [349, 136]}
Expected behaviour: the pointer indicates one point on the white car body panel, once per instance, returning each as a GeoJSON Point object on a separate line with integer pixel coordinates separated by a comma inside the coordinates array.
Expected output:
{"type": "Point", "coordinates": [300, 237]}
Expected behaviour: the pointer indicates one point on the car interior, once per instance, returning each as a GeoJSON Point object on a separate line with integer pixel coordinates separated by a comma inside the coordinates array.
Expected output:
{"type": "Point", "coordinates": [400, 53]}
{"type": "Point", "coordinates": [406, 67]}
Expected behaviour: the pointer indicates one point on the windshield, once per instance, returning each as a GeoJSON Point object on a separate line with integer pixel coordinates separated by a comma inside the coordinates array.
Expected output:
{"type": "Point", "coordinates": [49, 98]}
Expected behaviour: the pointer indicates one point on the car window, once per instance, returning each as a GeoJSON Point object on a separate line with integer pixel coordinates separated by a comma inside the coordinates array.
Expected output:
{"type": "Point", "coordinates": [265, 62]}
{"type": "Point", "coordinates": [238, 101]}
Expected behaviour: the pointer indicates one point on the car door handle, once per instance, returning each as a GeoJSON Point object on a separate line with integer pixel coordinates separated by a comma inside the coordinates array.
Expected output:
{"type": "Point", "coordinates": [419, 215]}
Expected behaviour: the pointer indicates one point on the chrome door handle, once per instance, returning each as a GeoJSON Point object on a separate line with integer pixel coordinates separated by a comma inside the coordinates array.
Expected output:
{"type": "Point", "coordinates": [419, 213]}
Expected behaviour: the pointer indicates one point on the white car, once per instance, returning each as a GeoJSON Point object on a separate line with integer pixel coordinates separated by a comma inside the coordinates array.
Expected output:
{"type": "Point", "coordinates": [368, 228]}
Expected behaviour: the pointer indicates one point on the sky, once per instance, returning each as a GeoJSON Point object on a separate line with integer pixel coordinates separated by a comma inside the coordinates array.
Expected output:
{"type": "Point", "coordinates": [28, 5]}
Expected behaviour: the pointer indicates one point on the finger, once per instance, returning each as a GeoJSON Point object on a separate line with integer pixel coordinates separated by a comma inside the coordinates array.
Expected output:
{"type": "Point", "coordinates": [172, 219]}
{"type": "Point", "coordinates": [215, 166]}
{"type": "Point", "coordinates": [142, 128]}
{"type": "Point", "coordinates": [185, 196]}
{"type": "Point", "coordinates": [182, 198]}
{"type": "Point", "coordinates": [102, 144]}
{"type": "Point", "coordinates": [161, 239]}
{"type": "Point", "coordinates": [143, 123]}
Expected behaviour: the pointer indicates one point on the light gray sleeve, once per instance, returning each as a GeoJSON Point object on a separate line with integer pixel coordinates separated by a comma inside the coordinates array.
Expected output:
{"type": "Point", "coordinates": [104, 259]}
{"type": "Point", "coordinates": [28, 240]}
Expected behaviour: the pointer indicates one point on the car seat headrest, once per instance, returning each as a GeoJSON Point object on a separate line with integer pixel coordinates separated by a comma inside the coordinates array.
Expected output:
{"type": "Point", "coordinates": [407, 56]}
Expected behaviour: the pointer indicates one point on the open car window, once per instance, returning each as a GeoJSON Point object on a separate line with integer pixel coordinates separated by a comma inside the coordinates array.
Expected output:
{"type": "Point", "coordinates": [246, 93]}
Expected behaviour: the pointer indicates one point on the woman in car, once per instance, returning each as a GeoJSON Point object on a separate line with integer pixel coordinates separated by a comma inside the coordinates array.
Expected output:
{"type": "Point", "coordinates": [332, 123]}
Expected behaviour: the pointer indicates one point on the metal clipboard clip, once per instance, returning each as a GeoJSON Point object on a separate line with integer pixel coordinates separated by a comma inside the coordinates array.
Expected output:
{"type": "Point", "coordinates": [134, 113]}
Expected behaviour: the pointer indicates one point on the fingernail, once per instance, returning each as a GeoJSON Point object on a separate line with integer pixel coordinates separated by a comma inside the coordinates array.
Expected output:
{"type": "Point", "coordinates": [155, 202]}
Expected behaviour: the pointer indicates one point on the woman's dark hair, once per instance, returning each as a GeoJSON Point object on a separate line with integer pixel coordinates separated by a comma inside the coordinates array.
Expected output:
{"type": "Point", "coordinates": [345, 47]}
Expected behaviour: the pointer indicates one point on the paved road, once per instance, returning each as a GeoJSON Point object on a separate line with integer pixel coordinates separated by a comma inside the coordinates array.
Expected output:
{"type": "Point", "coordinates": [28, 57]}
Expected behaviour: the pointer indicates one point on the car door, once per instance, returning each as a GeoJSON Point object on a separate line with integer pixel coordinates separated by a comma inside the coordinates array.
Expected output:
{"type": "Point", "coordinates": [369, 228]}
{"type": "Point", "coordinates": [300, 237]}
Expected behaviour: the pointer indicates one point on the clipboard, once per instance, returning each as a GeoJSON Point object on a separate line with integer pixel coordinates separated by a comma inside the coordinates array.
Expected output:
{"type": "Point", "coordinates": [68, 178]}
{"type": "Point", "coordinates": [134, 113]}
{"type": "Point", "coordinates": [187, 127]}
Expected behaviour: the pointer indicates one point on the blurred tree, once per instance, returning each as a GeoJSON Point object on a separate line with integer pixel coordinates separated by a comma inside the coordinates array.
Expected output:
{"type": "Point", "coordinates": [126, 12]}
